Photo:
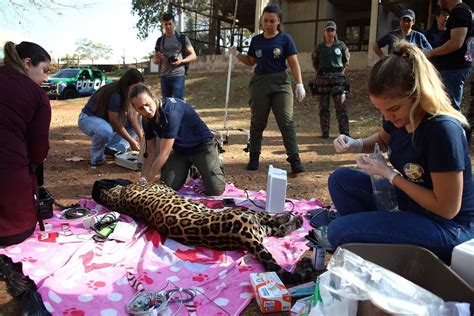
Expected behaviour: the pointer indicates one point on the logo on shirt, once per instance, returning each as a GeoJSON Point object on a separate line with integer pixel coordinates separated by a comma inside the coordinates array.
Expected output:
{"type": "Point", "coordinates": [413, 171]}
{"type": "Point", "coordinates": [276, 52]}
{"type": "Point", "coordinates": [258, 53]}
{"type": "Point", "coordinates": [338, 51]}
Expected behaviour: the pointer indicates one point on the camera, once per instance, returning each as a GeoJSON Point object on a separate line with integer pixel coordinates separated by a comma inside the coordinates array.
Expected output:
{"type": "Point", "coordinates": [172, 58]}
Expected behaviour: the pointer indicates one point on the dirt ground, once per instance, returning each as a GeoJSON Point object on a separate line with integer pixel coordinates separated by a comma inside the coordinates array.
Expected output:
{"type": "Point", "coordinates": [70, 180]}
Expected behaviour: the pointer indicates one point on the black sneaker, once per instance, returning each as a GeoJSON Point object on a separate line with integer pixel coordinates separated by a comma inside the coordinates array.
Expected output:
{"type": "Point", "coordinates": [110, 152]}
{"type": "Point", "coordinates": [97, 163]}
{"type": "Point", "coordinates": [325, 135]}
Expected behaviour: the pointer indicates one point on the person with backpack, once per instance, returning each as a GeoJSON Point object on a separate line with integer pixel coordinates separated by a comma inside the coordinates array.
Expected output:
{"type": "Point", "coordinates": [173, 53]}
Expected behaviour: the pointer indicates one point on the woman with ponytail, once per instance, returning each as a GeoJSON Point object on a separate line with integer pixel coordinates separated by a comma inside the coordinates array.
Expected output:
{"type": "Point", "coordinates": [430, 164]}
{"type": "Point", "coordinates": [25, 115]}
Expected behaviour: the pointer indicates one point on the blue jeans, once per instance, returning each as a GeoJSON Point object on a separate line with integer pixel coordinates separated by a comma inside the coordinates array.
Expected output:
{"type": "Point", "coordinates": [454, 82]}
{"type": "Point", "coordinates": [103, 136]}
{"type": "Point", "coordinates": [172, 87]}
{"type": "Point", "coordinates": [360, 222]}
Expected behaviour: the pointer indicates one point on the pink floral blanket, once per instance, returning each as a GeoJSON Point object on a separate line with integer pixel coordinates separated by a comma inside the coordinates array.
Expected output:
{"type": "Point", "coordinates": [78, 276]}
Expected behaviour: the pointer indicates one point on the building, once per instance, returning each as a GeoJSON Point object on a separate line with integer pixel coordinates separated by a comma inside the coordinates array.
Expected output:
{"type": "Point", "coordinates": [360, 23]}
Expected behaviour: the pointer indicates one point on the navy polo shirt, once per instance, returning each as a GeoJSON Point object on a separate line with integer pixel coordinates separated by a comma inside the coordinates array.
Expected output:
{"type": "Point", "coordinates": [115, 101]}
{"type": "Point", "coordinates": [179, 121]}
{"type": "Point", "coordinates": [271, 53]}
{"type": "Point", "coordinates": [438, 145]}
{"type": "Point", "coordinates": [414, 37]}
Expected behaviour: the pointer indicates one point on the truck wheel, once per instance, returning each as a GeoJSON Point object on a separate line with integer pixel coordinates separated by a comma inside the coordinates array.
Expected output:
{"type": "Point", "coordinates": [69, 93]}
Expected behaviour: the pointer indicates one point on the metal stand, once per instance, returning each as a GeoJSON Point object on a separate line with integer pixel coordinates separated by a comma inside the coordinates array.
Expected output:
{"type": "Point", "coordinates": [226, 129]}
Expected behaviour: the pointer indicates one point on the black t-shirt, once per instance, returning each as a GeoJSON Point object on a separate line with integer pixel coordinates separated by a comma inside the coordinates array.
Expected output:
{"type": "Point", "coordinates": [460, 16]}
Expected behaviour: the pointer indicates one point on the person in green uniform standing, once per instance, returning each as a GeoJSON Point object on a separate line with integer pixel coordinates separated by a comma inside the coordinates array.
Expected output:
{"type": "Point", "coordinates": [330, 58]}
{"type": "Point", "coordinates": [270, 87]}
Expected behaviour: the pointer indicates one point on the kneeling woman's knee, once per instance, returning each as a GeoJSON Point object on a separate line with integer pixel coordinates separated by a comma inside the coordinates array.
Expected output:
{"type": "Point", "coordinates": [103, 135]}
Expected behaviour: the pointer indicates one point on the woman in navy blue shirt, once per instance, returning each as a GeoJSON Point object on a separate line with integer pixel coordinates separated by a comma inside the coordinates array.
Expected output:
{"type": "Point", "coordinates": [185, 140]}
{"type": "Point", "coordinates": [270, 87]}
{"type": "Point", "coordinates": [106, 119]}
{"type": "Point", "coordinates": [427, 147]}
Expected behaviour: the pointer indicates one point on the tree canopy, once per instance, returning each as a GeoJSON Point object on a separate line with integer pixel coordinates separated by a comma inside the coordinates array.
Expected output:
{"type": "Point", "coordinates": [92, 50]}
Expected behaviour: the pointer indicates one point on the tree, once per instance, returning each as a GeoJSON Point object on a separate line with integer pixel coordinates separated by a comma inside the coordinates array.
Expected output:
{"type": "Point", "coordinates": [21, 8]}
{"type": "Point", "coordinates": [91, 50]}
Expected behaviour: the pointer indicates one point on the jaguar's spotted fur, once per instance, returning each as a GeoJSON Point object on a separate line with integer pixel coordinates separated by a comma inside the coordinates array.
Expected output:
{"type": "Point", "coordinates": [193, 223]}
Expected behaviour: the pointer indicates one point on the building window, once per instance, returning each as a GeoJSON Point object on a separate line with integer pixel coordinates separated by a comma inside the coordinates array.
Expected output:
{"type": "Point", "coordinates": [357, 35]}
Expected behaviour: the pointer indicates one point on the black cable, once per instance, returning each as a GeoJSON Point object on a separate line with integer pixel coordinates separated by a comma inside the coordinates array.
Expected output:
{"type": "Point", "coordinates": [75, 212]}
{"type": "Point", "coordinates": [189, 295]}
{"type": "Point", "coordinates": [251, 201]}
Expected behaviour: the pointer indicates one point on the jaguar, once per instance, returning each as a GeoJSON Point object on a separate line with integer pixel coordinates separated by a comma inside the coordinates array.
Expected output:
{"type": "Point", "coordinates": [186, 221]}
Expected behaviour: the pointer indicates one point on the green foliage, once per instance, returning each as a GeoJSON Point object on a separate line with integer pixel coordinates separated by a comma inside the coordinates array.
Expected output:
{"type": "Point", "coordinates": [149, 14]}
{"type": "Point", "coordinates": [89, 49]}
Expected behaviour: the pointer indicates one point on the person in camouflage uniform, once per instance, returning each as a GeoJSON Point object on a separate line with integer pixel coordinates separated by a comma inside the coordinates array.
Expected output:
{"type": "Point", "coordinates": [330, 58]}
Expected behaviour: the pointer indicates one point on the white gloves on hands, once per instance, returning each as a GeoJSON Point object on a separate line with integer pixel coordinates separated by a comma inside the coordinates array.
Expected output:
{"type": "Point", "coordinates": [300, 93]}
{"type": "Point", "coordinates": [233, 51]}
{"type": "Point", "coordinates": [142, 180]}
{"type": "Point", "coordinates": [376, 167]}
{"type": "Point", "coordinates": [346, 144]}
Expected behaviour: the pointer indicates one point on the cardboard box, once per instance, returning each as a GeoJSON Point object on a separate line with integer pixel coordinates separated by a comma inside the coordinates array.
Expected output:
{"type": "Point", "coordinates": [418, 265]}
{"type": "Point", "coordinates": [270, 293]}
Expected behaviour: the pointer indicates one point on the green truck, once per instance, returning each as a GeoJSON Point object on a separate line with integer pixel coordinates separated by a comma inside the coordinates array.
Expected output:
{"type": "Point", "coordinates": [69, 83]}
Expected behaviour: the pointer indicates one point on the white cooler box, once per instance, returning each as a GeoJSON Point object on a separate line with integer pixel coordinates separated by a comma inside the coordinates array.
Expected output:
{"type": "Point", "coordinates": [128, 160]}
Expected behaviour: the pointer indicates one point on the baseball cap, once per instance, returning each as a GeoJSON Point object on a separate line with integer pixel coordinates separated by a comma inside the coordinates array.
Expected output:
{"type": "Point", "coordinates": [408, 13]}
{"type": "Point", "coordinates": [330, 25]}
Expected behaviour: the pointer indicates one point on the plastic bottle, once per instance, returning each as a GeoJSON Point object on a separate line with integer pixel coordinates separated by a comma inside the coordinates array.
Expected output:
{"type": "Point", "coordinates": [384, 192]}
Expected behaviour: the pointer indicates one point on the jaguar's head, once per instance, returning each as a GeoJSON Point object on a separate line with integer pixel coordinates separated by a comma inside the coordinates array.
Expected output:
{"type": "Point", "coordinates": [108, 192]}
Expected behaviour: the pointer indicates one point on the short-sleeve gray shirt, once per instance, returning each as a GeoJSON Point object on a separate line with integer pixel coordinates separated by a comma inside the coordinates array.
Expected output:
{"type": "Point", "coordinates": [171, 46]}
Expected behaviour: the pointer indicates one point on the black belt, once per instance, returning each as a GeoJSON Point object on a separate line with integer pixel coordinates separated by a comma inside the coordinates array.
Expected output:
{"type": "Point", "coordinates": [324, 71]}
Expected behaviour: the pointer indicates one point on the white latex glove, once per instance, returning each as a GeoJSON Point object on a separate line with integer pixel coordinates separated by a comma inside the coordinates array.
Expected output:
{"type": "Point", "coordinates": [233, 51]}
{"type": "Point", "coordinates": [142, 180]}
{"type": "Point", "coordinates": [299, 92]}
{"type": "Point", "coordinates": [346, 144]}
{"type": "Point", "coordinates": [376, 167]}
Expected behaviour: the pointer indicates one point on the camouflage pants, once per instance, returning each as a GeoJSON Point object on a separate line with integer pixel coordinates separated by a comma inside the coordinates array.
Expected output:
{"type": "Point", "coordinates": [335, 87]}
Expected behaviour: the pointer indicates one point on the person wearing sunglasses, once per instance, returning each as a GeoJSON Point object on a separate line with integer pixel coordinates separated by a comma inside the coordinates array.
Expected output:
{"type": "Point", "coordinates": [406, 32]}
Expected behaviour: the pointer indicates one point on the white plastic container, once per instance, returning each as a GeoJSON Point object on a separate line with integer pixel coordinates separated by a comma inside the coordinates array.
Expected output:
{"type": "Point", "coordinates": [276, 190]}
{"type": "Point", "coordinates": [462, 261]}
{"type": "Point", "coordinates": [128, 160]}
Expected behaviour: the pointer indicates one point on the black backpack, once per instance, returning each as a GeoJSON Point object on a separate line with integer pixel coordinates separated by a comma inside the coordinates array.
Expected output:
{"type": "Point", "coordinates": [182, 40]}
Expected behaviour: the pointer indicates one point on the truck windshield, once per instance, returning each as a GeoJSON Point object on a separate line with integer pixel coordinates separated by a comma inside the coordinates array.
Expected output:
{"type": "Point", "coordinates": [66, 73]}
